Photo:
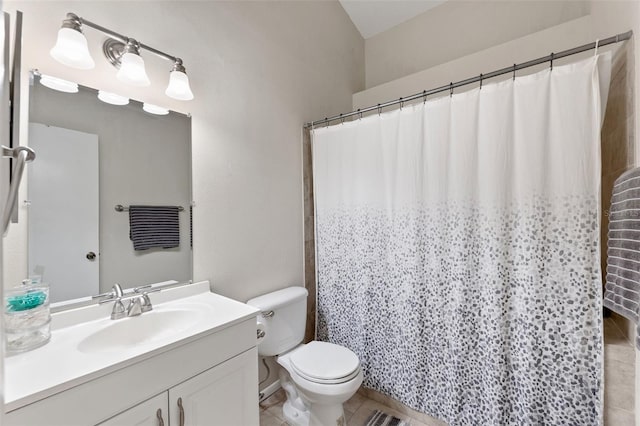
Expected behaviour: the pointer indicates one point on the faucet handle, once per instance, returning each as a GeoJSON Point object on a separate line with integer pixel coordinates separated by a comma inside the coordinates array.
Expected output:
{"type": "Point", "coordinates": [145, 303]}
{"type": "Point", "coordinates": [135, 308]}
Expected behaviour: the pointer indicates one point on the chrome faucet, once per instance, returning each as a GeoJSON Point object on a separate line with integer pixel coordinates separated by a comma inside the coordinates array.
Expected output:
{"type": "Point", "coordinates": [115, 295]}
{"type": "Point", "coordinates": [139, 302]}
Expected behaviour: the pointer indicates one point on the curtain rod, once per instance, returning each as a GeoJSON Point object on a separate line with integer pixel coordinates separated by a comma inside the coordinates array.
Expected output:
{"type": "Point", "coordinates": [512, 69]}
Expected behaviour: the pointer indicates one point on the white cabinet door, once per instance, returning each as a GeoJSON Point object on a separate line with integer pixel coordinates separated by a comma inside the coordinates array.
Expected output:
{"type": "Point", "coordinates": [152, 412]}
{"type": "Point", "coordinates": [225, 395]}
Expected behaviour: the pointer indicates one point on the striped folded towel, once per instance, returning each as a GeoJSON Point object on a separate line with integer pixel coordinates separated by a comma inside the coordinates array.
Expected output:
{"type": "Point", "coordinates": [154, 227]}
{"type": "Point", "coordinates": [622, 291]}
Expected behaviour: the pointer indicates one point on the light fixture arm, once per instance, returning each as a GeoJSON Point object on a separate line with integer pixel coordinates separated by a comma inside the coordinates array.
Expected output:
{"type": "Point", "coordinates": [74, 21]}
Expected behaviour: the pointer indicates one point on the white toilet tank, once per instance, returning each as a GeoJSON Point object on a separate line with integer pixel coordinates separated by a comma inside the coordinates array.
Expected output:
{"type": "Point", "coordinates": [285, 328]}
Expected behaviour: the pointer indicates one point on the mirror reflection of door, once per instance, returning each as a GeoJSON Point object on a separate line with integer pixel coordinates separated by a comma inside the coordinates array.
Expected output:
{"type": "Point", "coordinates": [63, 211]}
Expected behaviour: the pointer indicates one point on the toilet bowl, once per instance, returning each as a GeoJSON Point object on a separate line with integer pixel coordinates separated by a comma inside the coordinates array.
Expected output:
{"type": "Point", "coordinates": [324, 376]}
{"type": "Point", "coordinates": [318, 377]}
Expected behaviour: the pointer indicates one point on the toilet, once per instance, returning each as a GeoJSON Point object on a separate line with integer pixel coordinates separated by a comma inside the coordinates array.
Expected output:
{"type": "Point", "coordinates": [318, 377]}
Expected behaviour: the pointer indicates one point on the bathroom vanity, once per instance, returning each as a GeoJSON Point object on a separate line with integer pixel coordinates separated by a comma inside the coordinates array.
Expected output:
{"type": "Point", "coordinates": [192, 360]}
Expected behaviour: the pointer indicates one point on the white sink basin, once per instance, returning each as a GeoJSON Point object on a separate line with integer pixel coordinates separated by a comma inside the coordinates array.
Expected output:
{"type": "Point", "coordinates": [146, 328]}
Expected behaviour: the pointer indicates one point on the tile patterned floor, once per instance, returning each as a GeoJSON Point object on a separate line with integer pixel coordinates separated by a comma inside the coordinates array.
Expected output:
{"type": "Point", "coordinates": [357, 410]}
{"type": "Point", "coordinates": [619, 391]}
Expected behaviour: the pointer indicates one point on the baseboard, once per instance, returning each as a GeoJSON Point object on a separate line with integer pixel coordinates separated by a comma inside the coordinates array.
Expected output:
{"type": "Point", "coordinates": [269, 390]}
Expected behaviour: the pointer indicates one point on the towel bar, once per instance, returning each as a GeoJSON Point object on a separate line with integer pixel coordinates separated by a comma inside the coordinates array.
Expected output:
{"type": "Point", "coordinates": [121, 208]}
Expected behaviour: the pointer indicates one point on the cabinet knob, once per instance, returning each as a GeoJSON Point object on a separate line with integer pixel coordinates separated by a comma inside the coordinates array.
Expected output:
{"type": "Point", "coordinates": [91, 255]}
{"type": "Point", "coordinates": [159, 415]}
{"type": "Point", "coordinates": [181, 412]}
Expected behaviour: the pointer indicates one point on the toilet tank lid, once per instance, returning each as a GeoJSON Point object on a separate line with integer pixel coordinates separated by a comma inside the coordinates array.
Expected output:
{"type": "Point", "coordinates": [278, 298]}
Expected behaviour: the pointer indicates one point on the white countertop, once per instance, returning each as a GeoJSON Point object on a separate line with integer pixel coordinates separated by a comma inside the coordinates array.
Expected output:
{"type": "Point", "coordinates": [65, 362]}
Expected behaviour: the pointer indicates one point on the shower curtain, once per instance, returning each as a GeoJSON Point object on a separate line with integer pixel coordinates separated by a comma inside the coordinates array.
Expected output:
{"type": "Point", "coordinates": [458, 249]}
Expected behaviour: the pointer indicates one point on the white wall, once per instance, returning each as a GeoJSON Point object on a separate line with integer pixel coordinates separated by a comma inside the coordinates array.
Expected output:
{"type": "Point", "coordinates": [456, 29]}
{"type": "Point", "coordinates": [259, 70]}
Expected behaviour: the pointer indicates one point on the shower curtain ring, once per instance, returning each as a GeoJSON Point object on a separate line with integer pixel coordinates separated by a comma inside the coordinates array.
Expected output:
{"type": "Point", "coordinates": [451, 89]}
{"type": "Point", "coordinates": [326, 122]}
{"type": "Point", "coordinates": [360, 114]}
{"type": "Point", "coordinates": [424, 96]}
{"type": "Point", "coordinates": [379, 109]}
{"type": "Point", "coordinates": [480, 80]}
{"type": "Point", "coordinates": [401, 103]}
{"type": "Point", "coordinates": [552, 55]}
{"type": "Point", "coordinates": [341, 119]}
{"type": "Point", "coordinates": [514, 72]}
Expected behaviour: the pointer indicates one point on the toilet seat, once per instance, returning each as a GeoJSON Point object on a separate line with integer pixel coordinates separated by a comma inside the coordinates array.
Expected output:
{"type": "Point", "coordinates": [325, 363]}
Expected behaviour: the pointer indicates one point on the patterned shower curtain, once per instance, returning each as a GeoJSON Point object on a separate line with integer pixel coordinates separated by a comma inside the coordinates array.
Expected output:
{"type": "Point", "coordinates": [458, 249]}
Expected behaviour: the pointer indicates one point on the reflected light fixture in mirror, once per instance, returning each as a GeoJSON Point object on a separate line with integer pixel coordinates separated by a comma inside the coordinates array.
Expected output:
{"type": "Point", "coordinates": [71, 45]}
{"type": "Point", "coordinates": [132, 69]}
{"type": "Point", "coordinates": [123, 53]}
{"type": "Point", "coordinates": [112, 98]}
{"type": "Point", "coordinates": [58, 84]}
{"type": "Point", "coordinates": [154, 109]}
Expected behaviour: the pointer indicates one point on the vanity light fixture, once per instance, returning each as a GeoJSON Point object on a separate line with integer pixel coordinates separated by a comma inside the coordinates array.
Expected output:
{"type": "Point", "coordinates": [132, 66]}
{"type": "Point", "coordinates": [154, 109]}
{"type": "Point", "coordinates": [58, 84]}
{"type": "Point", "coordinates": [112, 98]}
{"type": "Point", "coordinates": [179, 83]}
{"type": "Point", "coordinates": [71, 45]}
{"type": "Point", "coordinates": [123, 53]}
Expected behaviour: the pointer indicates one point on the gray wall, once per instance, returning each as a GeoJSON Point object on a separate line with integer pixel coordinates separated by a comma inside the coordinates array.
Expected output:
{"type": "Point", "coordinates": [144, 159]}
{"type": "Point", "coordinates": [459, 28]}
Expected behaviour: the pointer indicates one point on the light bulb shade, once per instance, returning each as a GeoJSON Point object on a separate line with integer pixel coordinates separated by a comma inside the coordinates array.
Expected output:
{"type": "Point", "coordinates": [154, 109]}
{"type": "Point", "coordinates": [178, 87]}
{"type": "Point", "coordinates": [58, 84]}
{"type": "Point", "coordinates": [71, 50]}
{"type": "Point", "coordinates": [112, 98]}
{"type": "Point", "coordinates": [132, 70]}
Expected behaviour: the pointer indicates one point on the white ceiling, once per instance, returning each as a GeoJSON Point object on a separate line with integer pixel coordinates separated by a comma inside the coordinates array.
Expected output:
{"type": "Point", "coordinates": [372, 17]}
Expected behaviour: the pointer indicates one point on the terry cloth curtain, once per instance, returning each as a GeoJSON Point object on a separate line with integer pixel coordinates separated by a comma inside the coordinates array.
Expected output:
{"type": "Point", "coordinates": [458, 249]}
{"type": "Point", "coordinates": [154, 227]}
{"type": "Point", "coordinates": [622, 292]}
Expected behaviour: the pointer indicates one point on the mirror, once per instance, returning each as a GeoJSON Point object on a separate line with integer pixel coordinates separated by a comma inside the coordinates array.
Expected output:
{"type": "Point", "coordinates": [93, 156]}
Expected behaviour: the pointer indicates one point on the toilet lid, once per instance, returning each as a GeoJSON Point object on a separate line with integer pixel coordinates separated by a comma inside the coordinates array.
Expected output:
{"type": "Point", "coordinates": [325, 362]}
